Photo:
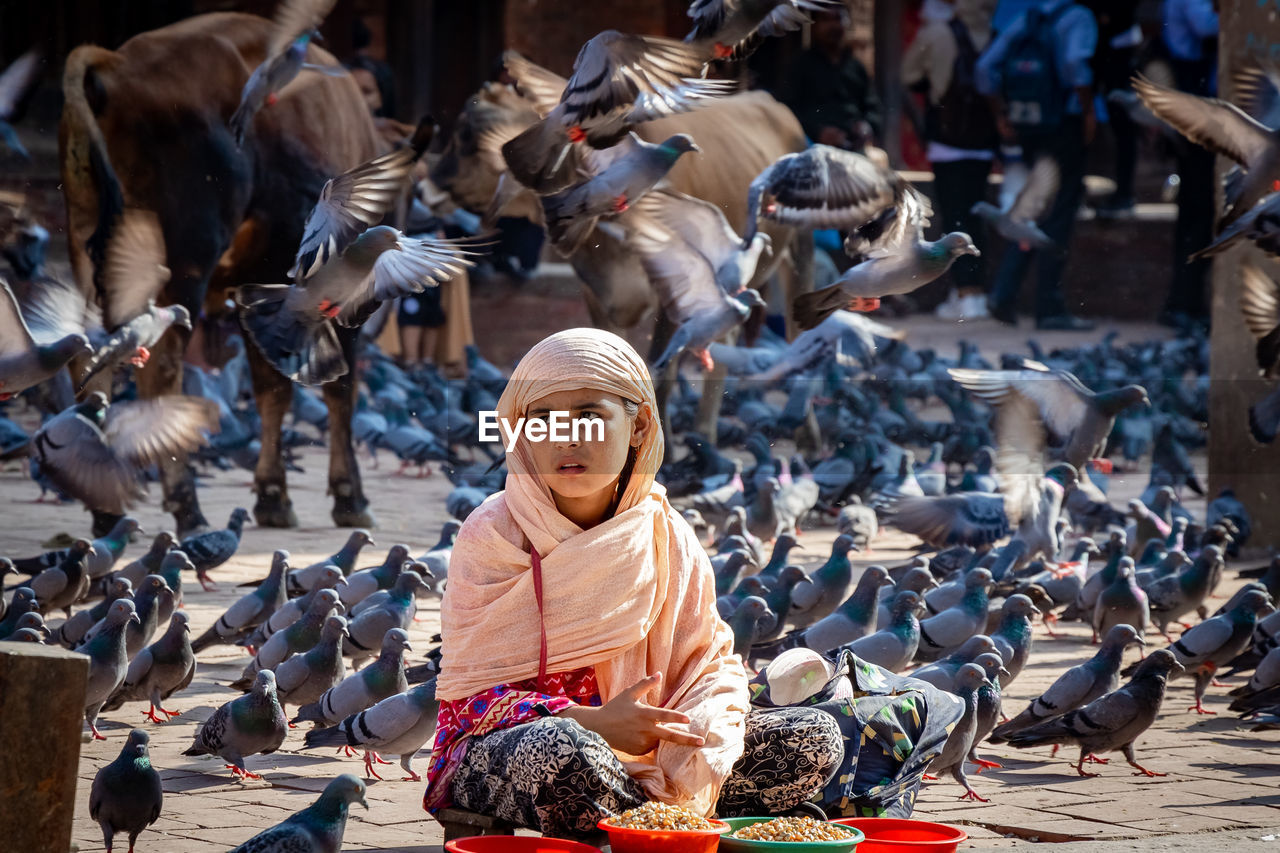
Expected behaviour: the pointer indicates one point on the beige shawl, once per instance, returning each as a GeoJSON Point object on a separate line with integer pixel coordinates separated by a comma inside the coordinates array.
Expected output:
{"type": "Point", "coordinates": [632, 596]}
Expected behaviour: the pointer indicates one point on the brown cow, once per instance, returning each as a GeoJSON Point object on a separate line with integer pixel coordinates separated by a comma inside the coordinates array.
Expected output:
{"type": "Point", "coordinates": [739, 136]}
{"type": "Point", "coordinates": [146, 126]}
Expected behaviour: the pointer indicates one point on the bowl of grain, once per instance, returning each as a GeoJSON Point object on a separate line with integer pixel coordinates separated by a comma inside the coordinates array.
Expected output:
{"type": "Point", "coordinates": [661, 828]}
{"type": "Point", "coordinates": [792, 834]}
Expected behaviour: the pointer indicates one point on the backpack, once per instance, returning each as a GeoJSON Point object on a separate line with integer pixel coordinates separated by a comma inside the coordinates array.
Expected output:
{"type": "Point", "coordinates": [962, 118]}
{"type": "Point", "coordinates": [1033, 94]}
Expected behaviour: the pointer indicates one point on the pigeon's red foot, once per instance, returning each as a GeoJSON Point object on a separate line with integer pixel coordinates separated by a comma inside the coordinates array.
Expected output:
{"type": "Point", "coordinates": [1056, 746]}
{"type": "Point", "coordinates": [1103, 466]}
{"type": "Point", "coordinates": [973, 795]}
{"type": "Point", "coordinates": [348, 751]}
{"type": "Point", "coordinates": [412, 777]}
{"type": "Point", "coordinates": [1093, 759]}
{"type": "Point", "coordinates": [707, 364]}
{"type": "Point", "coordinates": [368, 767]}
{"type": "Point", "coordinates": [206, 584]}
{"type": "Point", "coordinates": [577, 134]}
{"type": "Point", "coordinates": [1201, 709]}
{"type": "Point", "coordinates": [241, 774]}
{"type": "Point", "coordinates": [926, 776]}
{"type": "Point", "coordinates": [1213, 682]}
{"type": "Point", "coordinates": [293, 725]}
{"type": "Point", "coordinates": [377, 759]}
{"type": "Point", "coordinates": [272, 99]}
{"type": "Point", "coordinates": [1084, 772]}
{"type": "Point", "coordinates": [983, 764]}
{"type": "Point", "coordinates": [1186, 626]}
{"type": "Point", "coordinates": [1142, 771]}
{"type": "Point", "coordinates": [721, 51]}
{"type": "Point", "coordinates": [863, 303]}
{"type": "Point", "coordinates": [150, 714]}
{"type": "Point", "coordinates": [424, 471]}
{"type": "Point", "coordinates": [97, 735]}
{"type": "Point", "coordinates": [329, 309]}
{"type": "Point", "coordinates": [620, 204]}
{"type": "Point", "coordinates": [141, 357]}
{"type": "Point", "coordinates": [169, 714]}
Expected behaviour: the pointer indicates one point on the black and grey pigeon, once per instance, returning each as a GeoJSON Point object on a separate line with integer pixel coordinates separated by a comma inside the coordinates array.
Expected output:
{"type": "Point", "coordinates": [60, 587]}
{"type": "Point", "coordinates": [398, 725]}
{"type": "Point", "coordinates": [133, 341]}
{"type": "Point", "coordinates": [126, 795]}
{"type": "Point", "coordinates": [96, 451]}
{"type": "Point", "coordinates": [437, 559]}
{"type": "Point", "coordinates": [1079, 417]}
{"type": "Point", "coordinates": [23, 601]}
{"type": "Point", "coordinates": [1078, 686]}
{"type": "Point", "coordinates": [1014, 637]}
{"type": "Point", "coordinates": [1224, 129]}
{"type": "Point", "coordinates": [160, 670]}
{"type": "Point", "coordinates": [397, 611]}
{"type": "Point", "coordinates": [150, 562]}
{"type": "Point", "coordinates": [853, 619]}
{"type": "Point", "coordinates": [1175, 596]}
{"type": "Point", "coordinates": [894, 645]}
{"type": "Point", "coordinates": [147, 600]}
{"type": "Point", "coordinates": [108, 661]}
{"type": "Point", "coordinates": [364, 583]}
{"type": "Point", "coordinates": [618, 177]}
{"type": "Point", "coordinates": [29, 356]}
{"type": "Point", "coordinates": [1017, 223]}
{"type": "Point", "coordinates": [1122, 603]}
{"type": "Point", "coordinates": [107, 550]}
{"type": "Point", "coordinates": [943, 633]}
{"type": "Point", "coordinates": [382, 596]}
{"type": "Point", "coordinates": [304, 678]}
{"type": "Point", "coordinates": [749, 621]}
{"type": "Point", "coordinates": [1113, 721]}
{"type": "Point", "coordinates": [942, 673]}
{"type": "Point", "coordinates": [988, 706]}
{"type": "Point", "coordinates": [304, 580]}
{"type": "Point", "coordinates": [331, 578]}
{"type": "Point", "coordinates": [295, 639]}
{"type": "Point", "coordinates": [917, 579]}
{"type": "Point", "coordinates": [734, 29]}
{"type": "Point", "coordinates": [955, 752]}
{"type": "Point", "coordinates": [73, 630]}
{"type": "Point", "coordinates": [247, 725]}
{"type": "Point", "coordinates": [829, 586]}
{"type": "Point", "coordinates": [210, 550]}
{"type": "Point", "coordinates": [316, 829]}
{"type": "Point", "coordinates": [251, 610]}
{"type": "Point", "coordinates": [380, 679]}
{"type": "Point", "coordinates": [1216, 641]}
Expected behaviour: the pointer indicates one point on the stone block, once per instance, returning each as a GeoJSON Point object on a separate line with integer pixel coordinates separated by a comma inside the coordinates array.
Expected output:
{"type": "Point", "coordinates": [41, 715]}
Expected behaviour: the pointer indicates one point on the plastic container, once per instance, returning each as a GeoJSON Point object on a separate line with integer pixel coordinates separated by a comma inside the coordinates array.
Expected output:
{"type": "Point", "coordinates": [516, 844]}
{"type": "Point", "coordinates": [729, 843]}
{"type": "Point", "coordinates": [897, 835]}
{"type": "Point", "coordinates": [622, 840]}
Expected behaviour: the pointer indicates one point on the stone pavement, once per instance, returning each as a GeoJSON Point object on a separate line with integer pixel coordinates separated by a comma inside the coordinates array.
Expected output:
{"type": "Point", "coordinates": [1222, 791]}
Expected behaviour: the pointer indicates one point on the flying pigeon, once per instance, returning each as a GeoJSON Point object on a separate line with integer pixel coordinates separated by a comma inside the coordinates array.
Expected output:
{"type": "Point", "coordinates": [1017, 224]}
{"type": "Point", "coordinates": [734, 28]}
{"type": "Point", "coordinates": [29, 356]}
{"type": "Point", "coordinates": [95, 451]}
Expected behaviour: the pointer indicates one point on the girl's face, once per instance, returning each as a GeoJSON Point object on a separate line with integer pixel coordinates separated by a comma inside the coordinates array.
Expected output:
{"type": "Point", "coordinates": [582, 474]}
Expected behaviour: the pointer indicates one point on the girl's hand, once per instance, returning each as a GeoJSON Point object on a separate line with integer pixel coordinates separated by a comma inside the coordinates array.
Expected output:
{"type": "Point", "coordinates": [633, 726]}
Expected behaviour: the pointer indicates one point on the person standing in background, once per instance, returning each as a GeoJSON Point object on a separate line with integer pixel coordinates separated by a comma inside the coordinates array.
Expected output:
{"type": "Point", "coordinates": [1119, 36]}
{"type": "Point", "coordinates": [960, 133]}
{"type": "Point", "coordinates": [829, 90]}
{"type": "Point", "coordinates": [1190, 34]}
{"type": "Point", "coordinates": [1038, 76]}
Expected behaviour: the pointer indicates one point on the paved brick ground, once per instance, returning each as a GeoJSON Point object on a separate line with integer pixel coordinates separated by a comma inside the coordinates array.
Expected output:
{"type": "Point", "coordinates": [1223, 787]}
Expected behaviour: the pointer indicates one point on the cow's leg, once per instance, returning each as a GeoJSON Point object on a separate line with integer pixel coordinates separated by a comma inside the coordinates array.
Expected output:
{"type": "Point", "coordinates": [350, 507]}
{"type": "Point", "coordinates": [163, 375]}
{"type": "Point", "coordinates": [273, 394]}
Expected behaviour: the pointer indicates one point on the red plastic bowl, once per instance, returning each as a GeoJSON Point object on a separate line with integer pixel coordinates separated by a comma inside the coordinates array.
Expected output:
{"type": "Point", "coordinates": [896, 835]}
{"type": "Point", "coordinates": [516, 844]}
{"type": "Point", "coordinates": [655, 841]}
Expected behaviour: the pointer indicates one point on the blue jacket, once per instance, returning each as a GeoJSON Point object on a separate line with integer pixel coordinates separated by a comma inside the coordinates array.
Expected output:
{"type": "Point", "coordinates": [1077, 39]}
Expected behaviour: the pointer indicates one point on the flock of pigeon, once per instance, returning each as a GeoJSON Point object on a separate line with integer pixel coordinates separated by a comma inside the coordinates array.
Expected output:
{"type": "Point", "coordinates": [1011, 501]}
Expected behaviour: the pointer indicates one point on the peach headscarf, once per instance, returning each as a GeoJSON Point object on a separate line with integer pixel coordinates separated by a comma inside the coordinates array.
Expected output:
{"type": "Point", "coordinates": [632, 596]}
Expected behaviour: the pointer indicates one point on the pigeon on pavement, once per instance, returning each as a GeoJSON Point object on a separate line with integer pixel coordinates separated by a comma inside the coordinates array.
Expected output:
{"type": "Point", "coordinates": [247, 725]}
{"type": "Point", "coordinates": [317, 828]}
{"type": "Point", "coordinates": [955, 752]}
{"type": "Point", "coordinates": [1113, 721]}
{"type": "Point", "coordinates": [212, 549]}
{"type": "Point", "coordinates": [398, 725]}
{"type": "Point", "coordinates": [160, 670]}
{"type": "Point", "coordinates": [251, 610]}
{"type": "Point", "coordinates": [126, 795]}
{"type": "Point", "coordinates": [380, 679]}
{"type": "Point", "coordinates": [894, 646]}
{"type": "Point", "coordinates": [304, 678]}
{"type": "Point", "coordinates": [108, 662]}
